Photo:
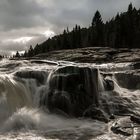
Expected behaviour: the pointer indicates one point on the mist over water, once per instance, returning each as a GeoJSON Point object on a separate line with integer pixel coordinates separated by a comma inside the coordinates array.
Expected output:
{"type": "Point", "coordinates": [24, 86]}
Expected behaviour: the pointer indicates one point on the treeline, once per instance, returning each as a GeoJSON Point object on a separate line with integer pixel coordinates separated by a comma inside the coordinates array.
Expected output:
{"type": "Point", "coordinates": [121, 31]}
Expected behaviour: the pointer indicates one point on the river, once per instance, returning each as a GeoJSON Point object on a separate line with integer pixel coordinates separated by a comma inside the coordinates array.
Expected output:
{"type": "Point", "coordinates": [25, 115]}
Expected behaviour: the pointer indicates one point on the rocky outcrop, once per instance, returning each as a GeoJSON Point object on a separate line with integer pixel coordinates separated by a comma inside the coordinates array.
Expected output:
{"type": "Point", "coordinates": [72, 90]}
{"type": "Point", "coordinates": [129, 80]}
{"type": "Point", "coordinates": [39, 76]}
{"type": "Point", "coordinates": [135, 119]}
{"type": "Point", "coordinates": [96, 113]}
{"type": "Point", "coordinates": [93, 55]}
{"type": "Point", "coordinates": [127, 126]}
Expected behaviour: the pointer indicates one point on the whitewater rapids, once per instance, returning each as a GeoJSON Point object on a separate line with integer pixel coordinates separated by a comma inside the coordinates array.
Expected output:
{"type": "Point", "coordinates": [24, 83]}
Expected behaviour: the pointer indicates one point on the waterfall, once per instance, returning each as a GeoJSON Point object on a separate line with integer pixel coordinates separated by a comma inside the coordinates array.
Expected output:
{"type": "Point", "coordinates": [31, 97]}
{"type": "Point", "coordinates": [58, 99]}
{"type": "Point", "coordinates": [100, 82]}
{"type": "Point", "coordinates": [68, 89]}
{"type": "Point", "coordinates": [71, 89]}
{"type": "Point", "coordinates": [65, 89]}
{"type": "Point", "coordinates": [13, 95]}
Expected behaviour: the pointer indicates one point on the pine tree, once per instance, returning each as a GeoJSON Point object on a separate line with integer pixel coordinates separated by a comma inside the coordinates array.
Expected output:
{"type": "Point", "coordinates": [130, 8]}
{"type": "Point", "coordinates": [25, 54]}
{"type": "Point", "coordinates": [31, 51]}
{"type": "Point", "coordinates": [97, 30]}
{"type": "Point", "coordinates": [17, 54]}
{"type": "Point", "coordinates": [65, 40]}
{"type": "Point", "coordinates": [117, 31]}
{"type": "Point", "coordinates": [97, 19]}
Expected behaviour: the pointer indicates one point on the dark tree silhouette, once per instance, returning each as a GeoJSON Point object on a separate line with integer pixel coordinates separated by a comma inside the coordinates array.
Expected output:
{"type": "Point", "coordinates": [31, 51]}
{"type": "Point", "coordinates": [97, 30]}
{"type": "Point", "coordinates": [17, 54]}
{"type": "Point", "coordinates": [121, 31]}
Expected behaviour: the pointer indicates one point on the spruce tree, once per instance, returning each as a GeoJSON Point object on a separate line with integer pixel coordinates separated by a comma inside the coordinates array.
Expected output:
{"type": "Point", "coordinates": [97, 30]}
{"type": "Point", "coordinates": [17, 54]}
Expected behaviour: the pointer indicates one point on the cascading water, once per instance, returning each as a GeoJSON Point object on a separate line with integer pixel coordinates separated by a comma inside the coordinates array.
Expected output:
{"type": "Point", "coordinates": [13, 95]}
{"type": "Point", "coordinates": [67, 101]}
{"type": "Point", "coordinates": [72, 89]}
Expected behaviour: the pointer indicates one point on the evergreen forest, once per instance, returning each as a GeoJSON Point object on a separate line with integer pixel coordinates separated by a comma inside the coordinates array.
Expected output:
{"type": "Point", "coordinates": [122, 31]}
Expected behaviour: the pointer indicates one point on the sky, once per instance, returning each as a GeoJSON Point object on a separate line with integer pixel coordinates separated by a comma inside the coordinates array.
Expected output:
{"type": "Point", "coordinates": [28, 22]}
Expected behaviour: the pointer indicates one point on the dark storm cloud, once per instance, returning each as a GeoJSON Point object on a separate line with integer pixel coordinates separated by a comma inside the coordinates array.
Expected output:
{"type": "Point", "coordinates": [16, 14]}
{"type": "Point", "coordinates": [31, 18]}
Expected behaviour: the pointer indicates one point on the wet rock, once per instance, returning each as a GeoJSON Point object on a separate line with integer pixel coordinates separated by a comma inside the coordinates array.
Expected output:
{"type": "Point", "coordinates": [129, 80]}
{"type": "Point", "coordinates": [72, 89]}
{"type": "Point", "coordinates": [119, 108]}
{"type": "Point", "coordinates": [40, 76]}
{"type": "Point", "coordinates": [135, 119]}
{"type": "Point", "coordinates": [96, 113]}
{"type": "Point", "coordinates": [109, 84]}
{"type": "Point", "coordinates": [112, 117]}
{"type": "Point", "coordinates": [44, 62]}
{"type": "Point", "coordinates": [60, 100]}
{"type": "Point", "coordinates": [136, 65]}
{"type": "Point", "coordinates": [123, 127]}
{"type": "Point", "coordinates": [94, 55]}
{"type": "Point", "coordinates": [118, 130]}
{"type": "Point", "coordinates": [66, 82]}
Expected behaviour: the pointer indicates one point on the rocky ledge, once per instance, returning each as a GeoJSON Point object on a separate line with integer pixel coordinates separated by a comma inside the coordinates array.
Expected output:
{"type": "Point", "coordinates": [93, 54]}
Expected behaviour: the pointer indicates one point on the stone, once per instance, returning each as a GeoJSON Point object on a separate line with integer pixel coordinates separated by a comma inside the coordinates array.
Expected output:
{"type": "Point", "coordinates": [129, 80]}
{"type": "Point", "coordinates": [96, 113]}
{"type": "Point", "coordinates": [40, 76]}
{"type": "Point", "coordinates": [122, 126]}
{"type": "Point", "coordinates": [135, 119]}
{"type": "Point", "coordinates": [112, 117]}
{"type": "Point", "coordinates": [93, 55]}
{"type": "Point", "coordinates": [109, 84]}
{"type": "Point", "coordinates": [118, 130]}
{"type": "Point", "coordinates": [72, 89]}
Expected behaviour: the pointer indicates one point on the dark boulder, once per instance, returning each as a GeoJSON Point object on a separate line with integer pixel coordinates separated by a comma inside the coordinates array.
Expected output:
{"type": "Point", "coordinates": [118, 130]}
{"type": "Point", "coordinates": [96, 113]}
{"type": "Point", "coordinates": [108, 84]}
{"type": "Point", "coordinates": [72, 89]}
{"type": "Point", "coordinates": [40, 76]}
{"type": "Point", "coordinates": [135, 119]}
{"type": "Point", "coordinates": [136, 65]}
{"type": "Point", "coordinates": [112, 117]}
{"type": "Point", "coordinates": [66, 82]}
{"type": "Point", "coordinates": [60, 100]}
{"type": "Point", "coordinates": [122, 126]}
{"type": "Point", "coordinates": [129, 80]}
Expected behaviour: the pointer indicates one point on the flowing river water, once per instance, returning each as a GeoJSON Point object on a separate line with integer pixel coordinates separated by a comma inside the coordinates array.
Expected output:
{"type": "Point", "coordinates": [24, 85]}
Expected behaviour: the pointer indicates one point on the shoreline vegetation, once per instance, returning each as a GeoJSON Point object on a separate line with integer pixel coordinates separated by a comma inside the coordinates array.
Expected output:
{"type": "Point", "coordinates": [122, 31]}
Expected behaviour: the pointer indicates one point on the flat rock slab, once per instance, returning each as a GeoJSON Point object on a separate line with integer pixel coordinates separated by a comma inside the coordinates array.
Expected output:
{"type": "Point", "coordinates": [124, 126]}
{"type": "Point", "coordinates": [93, 55]}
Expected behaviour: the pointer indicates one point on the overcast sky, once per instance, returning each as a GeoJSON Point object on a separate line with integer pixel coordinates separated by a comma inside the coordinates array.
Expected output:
{"type": "Point", "coordinates": [25, 22]}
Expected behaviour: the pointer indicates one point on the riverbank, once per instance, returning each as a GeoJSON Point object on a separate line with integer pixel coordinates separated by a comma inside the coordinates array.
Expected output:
{"type": "Point", "coordinates": [93, 55]}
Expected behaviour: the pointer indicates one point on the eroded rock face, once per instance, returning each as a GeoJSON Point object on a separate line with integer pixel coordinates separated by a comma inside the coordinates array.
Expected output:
{"type": "Point", "coordinates": [127, 126]}
{"type": "Point", "coordinates": [40, 76]}
{"type": "Point", "coordinates": [129, 80]}
{"type": "Point", "coordinates": [123, 127]}
{"type": "Point", "coordinates": [94, 55]}
{"type": "Point", "coordinates": [73, 89]}
{"type": "Point", "coordinates": [96, 113]}
{"type": "Point", "coordinates": [135, 119]}
{"type": "Point", "coordinates": [108, 84]}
